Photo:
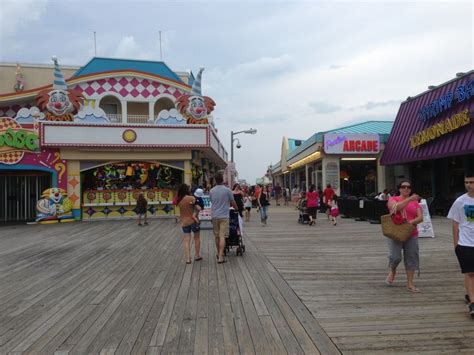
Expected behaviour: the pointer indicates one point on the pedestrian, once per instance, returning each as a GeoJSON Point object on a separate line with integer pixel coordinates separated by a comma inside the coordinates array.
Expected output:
{"type": "Point", "coordinates": [199, 204]}
{"type": "Point", "coordinates": [286, 195]}
{"type": "Point", "coordinates": [384, 196]}
{"type": "Point", "coordinates": [328, 195]}
{"type": "Point", "coordinates": [263, 204]}
{"type": "Point", "coordinates": [186, 204]}
{"type": "Point", "coordinates": [221, 199]}
{"type": "Point", "coordinates": [277, 194]}
{"type": "Point", "coordinates": [462, 215]}
{"type": "Point", "coordinates": [407, 202]}
{"type": "Point", "coordinates": [142, 204]}
{"type": "Point", "coordinates": [312, 200]}
{"type": "Point", "coordinates": [238, 198]}
{"type": "Point", "coordinates": [247, 206]}
{"type": "Point", "coordinates": [334, 209]}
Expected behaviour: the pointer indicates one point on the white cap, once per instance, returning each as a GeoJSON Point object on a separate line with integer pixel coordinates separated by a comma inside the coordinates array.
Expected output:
{"type": "Point", "coordinates": [199, 193]}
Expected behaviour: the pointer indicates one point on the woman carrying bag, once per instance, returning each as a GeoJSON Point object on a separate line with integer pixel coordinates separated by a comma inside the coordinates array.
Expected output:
{"type": "Point", "coordinates": [405, 203]}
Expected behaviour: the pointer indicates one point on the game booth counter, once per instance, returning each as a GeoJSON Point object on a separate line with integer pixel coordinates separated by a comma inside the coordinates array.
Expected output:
{"type": "Point", "coordinates": [61, 161]}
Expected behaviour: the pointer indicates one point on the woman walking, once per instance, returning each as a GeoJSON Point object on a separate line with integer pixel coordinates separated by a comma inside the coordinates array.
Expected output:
{"type": "Point", "coordinates": [238, 198]}
{"type": "Point", "coordinates": [405, 203]}
{"type": "Point", "coordinates": [247, 206]}
{"type": "Point", "coordinates": [186, 204]}
{"type": "Point", "coordinates": [312, 199]}
{"type": "Point", "coordinates": [263, 204]}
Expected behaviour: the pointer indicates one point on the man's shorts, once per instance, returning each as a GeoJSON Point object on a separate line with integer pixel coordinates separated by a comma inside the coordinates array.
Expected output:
{"type": "Point", "coordinates": [466, 258]}
{"type": "Point", "coordinates": [195, 228]}
{"type": "Point", "coordinates": [221, 227]}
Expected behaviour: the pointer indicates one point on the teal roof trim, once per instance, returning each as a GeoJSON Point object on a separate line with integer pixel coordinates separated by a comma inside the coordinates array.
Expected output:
{"type": "Point", "coordinates": [383, 128]}
{"type": "Point", "coordinates": [292, 144]}
{"type": "Point", "coordinates": [98, 65]}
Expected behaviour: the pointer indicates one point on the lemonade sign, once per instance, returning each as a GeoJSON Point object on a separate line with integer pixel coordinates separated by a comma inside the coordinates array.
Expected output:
{"type": "Point", "coordinates": [15, 141]}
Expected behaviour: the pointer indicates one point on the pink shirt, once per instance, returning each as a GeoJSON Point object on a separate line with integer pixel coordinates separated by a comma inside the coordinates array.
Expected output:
{"type": "Point", "coordinates": [411, 210]}
{"type": "Point", "coordinates": [312, 199]}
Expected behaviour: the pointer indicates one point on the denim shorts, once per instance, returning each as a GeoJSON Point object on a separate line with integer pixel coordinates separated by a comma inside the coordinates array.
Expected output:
{"type": "Point", "coordinates": [195, 227]}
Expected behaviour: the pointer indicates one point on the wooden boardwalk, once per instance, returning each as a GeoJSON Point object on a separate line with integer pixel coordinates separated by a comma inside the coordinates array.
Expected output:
{"type": "Point", "coordinates": [114, 288]}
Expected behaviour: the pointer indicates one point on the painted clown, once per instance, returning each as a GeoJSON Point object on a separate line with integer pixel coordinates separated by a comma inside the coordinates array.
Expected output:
{"type": "Point", "coordinates": [54, 205]}
{"type": "Point", "coordinates": [195, 107]}
{"type": "Point", "coordinates": [61, 104]}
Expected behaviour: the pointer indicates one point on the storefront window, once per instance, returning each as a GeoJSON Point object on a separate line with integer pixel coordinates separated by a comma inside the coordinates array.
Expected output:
{"type": "Point", "coordinates": [358, 178]}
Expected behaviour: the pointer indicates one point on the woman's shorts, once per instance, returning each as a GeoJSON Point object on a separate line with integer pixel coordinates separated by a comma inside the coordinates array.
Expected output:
{"type": "Point", "coordinates": [312, 211]}
{"type": "Point", "coordinates": [248, 208]}
{"type": "Point", "coordinates": [466, 258]}
{"type": "Point", "coordinates": [195, 227]}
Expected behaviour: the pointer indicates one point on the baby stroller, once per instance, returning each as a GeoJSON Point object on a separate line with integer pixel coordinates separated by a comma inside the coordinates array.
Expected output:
{"type": "Point", "coordinates": [235, 235]}
{"type": "Point", "coordinates": [303, 217]}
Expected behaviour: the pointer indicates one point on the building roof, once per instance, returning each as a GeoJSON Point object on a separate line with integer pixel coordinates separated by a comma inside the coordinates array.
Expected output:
{"type": "Point", "coordinates": [99, 65]}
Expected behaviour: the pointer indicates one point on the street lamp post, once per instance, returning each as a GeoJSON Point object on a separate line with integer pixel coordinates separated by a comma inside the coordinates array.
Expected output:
{"type": "Point", "coordinates": [232, 139]}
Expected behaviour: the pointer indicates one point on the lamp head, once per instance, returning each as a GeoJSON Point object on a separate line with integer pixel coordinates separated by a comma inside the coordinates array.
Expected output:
{"type": "Point", "coordinates": [238, 145]}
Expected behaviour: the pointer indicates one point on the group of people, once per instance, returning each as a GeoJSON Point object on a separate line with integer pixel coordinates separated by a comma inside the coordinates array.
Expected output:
{"type": "Point", "coordinates": [462, 216]}
{"type": "Point", "coordinates": [324, 201]}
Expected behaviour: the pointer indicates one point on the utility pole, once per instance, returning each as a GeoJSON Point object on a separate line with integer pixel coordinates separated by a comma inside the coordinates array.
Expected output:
{"type": "Point", "coordinates": [95, 45]}
{"type": "Point", "coordinates": [161, 51]}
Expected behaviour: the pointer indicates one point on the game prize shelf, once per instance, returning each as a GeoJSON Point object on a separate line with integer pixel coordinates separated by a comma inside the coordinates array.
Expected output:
{"type": "Point", "coordinates": [116, 204]}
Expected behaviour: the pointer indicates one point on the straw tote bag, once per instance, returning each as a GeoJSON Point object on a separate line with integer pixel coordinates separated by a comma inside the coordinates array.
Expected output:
{"type": "Point", "coordinates": [400, 231]}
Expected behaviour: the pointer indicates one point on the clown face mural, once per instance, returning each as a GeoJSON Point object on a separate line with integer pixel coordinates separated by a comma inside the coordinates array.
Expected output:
{"type": "Point", "coordinates": [195, 107]}
{"type": "Point", "coordinates": [54, 206]}
{"type": "Point", "coordinates": [60, 103]}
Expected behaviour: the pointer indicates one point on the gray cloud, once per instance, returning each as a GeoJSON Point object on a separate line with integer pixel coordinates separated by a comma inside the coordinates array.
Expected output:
{"type": "Point", "coordinates": [336, 66]}
{"type": "Point", "coordinates": [324, 107]}
{"type": "Point", "coordinates": [374, 104]}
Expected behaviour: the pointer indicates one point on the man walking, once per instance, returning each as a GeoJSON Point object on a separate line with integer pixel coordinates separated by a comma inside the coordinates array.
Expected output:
{"type": "Point", "coordinates": [221, 199]}
{"type": "Point", "coordinates": [462, 214]}
{"type": "Point", "coordinates": [277, 194]}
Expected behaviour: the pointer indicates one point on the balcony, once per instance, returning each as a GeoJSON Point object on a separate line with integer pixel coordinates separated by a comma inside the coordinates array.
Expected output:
{"type": "Point", "coordinates": [117, 118]}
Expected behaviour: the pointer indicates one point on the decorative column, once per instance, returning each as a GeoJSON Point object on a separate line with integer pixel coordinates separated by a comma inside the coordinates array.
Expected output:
{"type": "Point", "coordinates": [188, 177]}
{"type": "Point", "coordinates": [151, 111]}
{"type": "Point", "coordinates": [124, 111]}
{"type": "Point", "coordinates": [306, 176]}
{"type": "Point", "coordinates": [74, 187]}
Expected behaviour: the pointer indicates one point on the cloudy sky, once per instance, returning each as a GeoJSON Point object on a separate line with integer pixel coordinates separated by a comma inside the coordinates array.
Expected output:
{"type": "Point", "coordinates": [285, 68]}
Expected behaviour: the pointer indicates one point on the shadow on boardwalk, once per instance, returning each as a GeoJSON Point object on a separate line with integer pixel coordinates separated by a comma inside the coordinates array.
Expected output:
{"type": "Point", "coordinates": [111, 287]}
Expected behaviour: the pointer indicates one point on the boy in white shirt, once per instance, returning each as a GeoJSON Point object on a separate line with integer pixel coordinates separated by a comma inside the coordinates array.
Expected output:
{"type": "Point", "coordinates": [462, 214]}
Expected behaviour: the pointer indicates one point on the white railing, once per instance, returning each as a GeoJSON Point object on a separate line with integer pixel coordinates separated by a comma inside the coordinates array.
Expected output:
{"type": "Point", "coordinates": [137, 118]}
{"type": "Point", "coordinates": [117, 118]}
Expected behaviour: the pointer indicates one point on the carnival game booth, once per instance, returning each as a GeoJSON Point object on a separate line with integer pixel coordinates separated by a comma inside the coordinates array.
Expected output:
{"type": "Point", "coordinates": [61, 148]}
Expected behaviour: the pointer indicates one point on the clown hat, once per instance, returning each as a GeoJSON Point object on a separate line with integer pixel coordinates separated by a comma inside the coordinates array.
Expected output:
{"type": "Point", "coordinates": [196, 90]}
{"type": "Point", "coordinates": [59, 83]}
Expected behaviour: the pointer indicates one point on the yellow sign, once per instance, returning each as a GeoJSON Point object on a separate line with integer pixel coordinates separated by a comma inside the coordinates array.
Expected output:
{"type": "Point", "coordinates": [441, 128]}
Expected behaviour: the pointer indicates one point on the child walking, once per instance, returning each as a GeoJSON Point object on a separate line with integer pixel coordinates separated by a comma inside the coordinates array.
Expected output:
{"type": "Point", "coordinates": [334, 212]}
{"type": "Point", "coordinates": [142, 204]}
{"type": "Point", "coordinates": [247, 206]}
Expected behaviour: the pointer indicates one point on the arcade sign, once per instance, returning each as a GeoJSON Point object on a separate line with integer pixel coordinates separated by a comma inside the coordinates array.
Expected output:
{"type": "Point", "coordinates": [351, 143]}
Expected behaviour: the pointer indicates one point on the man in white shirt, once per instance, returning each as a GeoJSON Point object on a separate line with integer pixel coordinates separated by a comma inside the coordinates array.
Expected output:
{"type": "Point", "coordinates": [462, 214]}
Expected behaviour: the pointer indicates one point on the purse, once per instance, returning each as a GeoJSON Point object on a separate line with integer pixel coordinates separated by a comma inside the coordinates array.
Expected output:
{"type": "Point", "coordinates": [400, 232]}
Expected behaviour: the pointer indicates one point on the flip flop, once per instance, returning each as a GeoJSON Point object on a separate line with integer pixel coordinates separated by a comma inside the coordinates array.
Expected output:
{"type": "Point", "coordinates": [197, 259]}
{"type": "Point", "coordinates": [413, 289]}
{"type": "Point", "coordinates": [389, 281]}
{"type": "Point", "coordinates": [222, 262]}
{"type": "Point", "coordinates": [188, 262]}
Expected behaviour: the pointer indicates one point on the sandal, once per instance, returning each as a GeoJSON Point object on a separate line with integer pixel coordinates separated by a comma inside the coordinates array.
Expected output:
{"type": "Point", "coordinates": [188, 262]}
{"type": "Point", "coordinates": [413, 289]}
{"type": "Point", "coordinates": [198, 259]}
{"type": "Point", "coordinates": [222, 261]}
{"type": "Point", "coordinates": [389, 280]}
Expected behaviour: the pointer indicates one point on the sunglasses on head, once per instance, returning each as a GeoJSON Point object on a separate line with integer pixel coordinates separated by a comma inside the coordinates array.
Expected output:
{"type": "Point", "coordinates": [405, 186]}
